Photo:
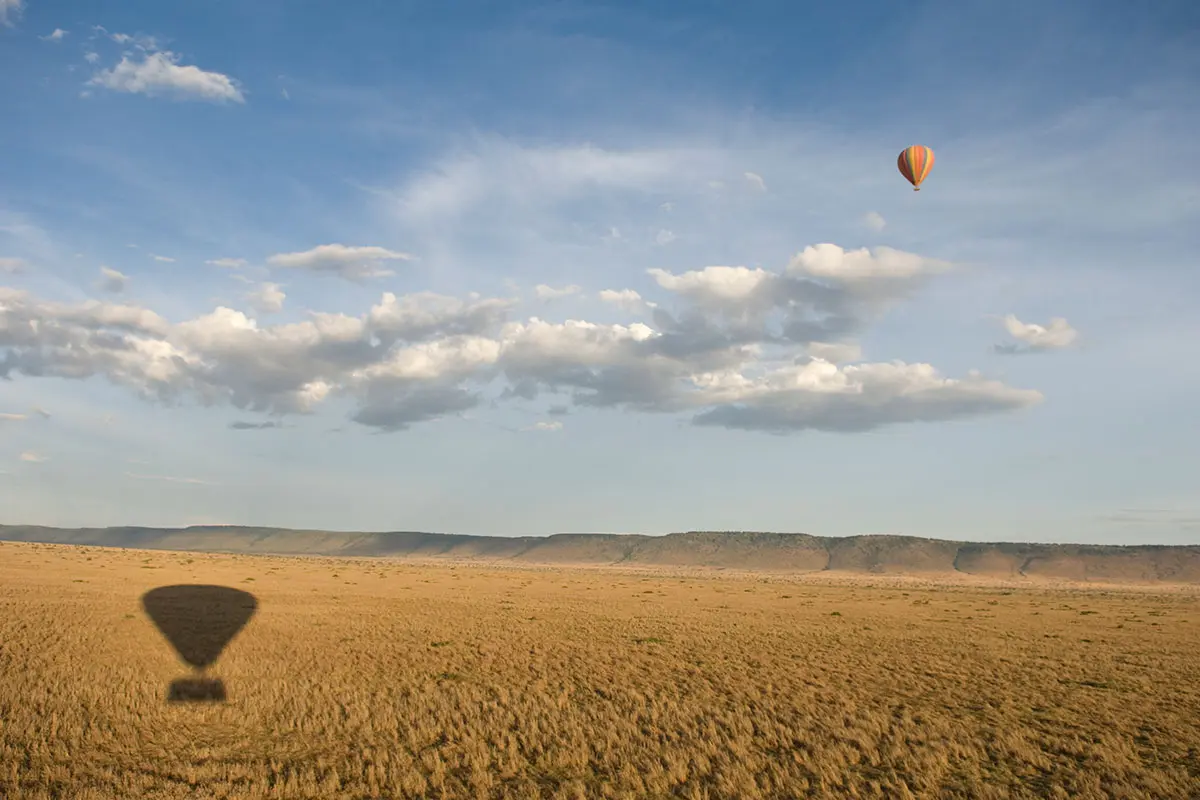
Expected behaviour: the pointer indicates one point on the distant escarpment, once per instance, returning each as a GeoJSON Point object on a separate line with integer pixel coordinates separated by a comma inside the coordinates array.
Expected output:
{"type": "Point", "coordinates": [736, 550]}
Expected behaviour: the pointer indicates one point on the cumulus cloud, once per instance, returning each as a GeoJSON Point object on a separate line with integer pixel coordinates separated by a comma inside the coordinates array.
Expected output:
{"type": "Point", "coordinates": [352, 263]}
{"type": "Point", "coordinates": [732, 346]}
{"type": "Point", "coordinates": [1033, 338]}
{"type": "Point", "coordinates": [819, 395]}
{"type": "Point", "coordinates": [267, 298]}
{"type": "Point", "coordinates": [544, 292]}
{"type": "Point", "coordinates": [11, 266]}
{"type": "Point", "coordinates": [10, 10]}
{"type": "Point", "coordinates": [627, 299]}
{"type": "Point", "coordinates": [227, 263]}
{"type": "Point", "coordinates": [57, 35]}
{"type": "Point", "coordinates": [112, 281]}
{"type": "Point", "coordinates": [155, 73]}
{"type": "Point", "coordinates": [881, 263]}
{"type": "Point", "coordinates": [874, 220]}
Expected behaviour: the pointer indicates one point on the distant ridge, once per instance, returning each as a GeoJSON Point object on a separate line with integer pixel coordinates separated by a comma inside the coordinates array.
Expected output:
{"type": "Point", "coordinates": [739, 550]}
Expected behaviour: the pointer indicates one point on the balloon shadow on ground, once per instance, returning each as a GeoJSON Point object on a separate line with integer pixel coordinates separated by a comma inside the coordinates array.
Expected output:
{"type": "Point", "coordinates": [199, 621]}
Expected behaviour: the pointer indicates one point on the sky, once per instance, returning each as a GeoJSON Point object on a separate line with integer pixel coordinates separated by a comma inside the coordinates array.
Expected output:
{"type": "Point", "coordinates": [523, 268]}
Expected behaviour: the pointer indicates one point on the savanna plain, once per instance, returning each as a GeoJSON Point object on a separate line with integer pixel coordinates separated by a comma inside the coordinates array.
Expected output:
{"type": "Point", "coordinates": [401, 679]}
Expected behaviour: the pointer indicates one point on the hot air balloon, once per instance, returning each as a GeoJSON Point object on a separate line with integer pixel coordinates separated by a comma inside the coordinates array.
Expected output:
{"type": "Point", "coordinates": [915, 163]}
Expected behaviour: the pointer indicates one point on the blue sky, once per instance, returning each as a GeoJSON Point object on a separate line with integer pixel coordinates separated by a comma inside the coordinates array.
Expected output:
{"type": "Point", "coordinates": [525, 268]}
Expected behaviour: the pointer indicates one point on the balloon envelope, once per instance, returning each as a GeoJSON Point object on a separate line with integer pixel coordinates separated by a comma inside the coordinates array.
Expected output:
{"type": "Point", "coordinates": [914, 163]}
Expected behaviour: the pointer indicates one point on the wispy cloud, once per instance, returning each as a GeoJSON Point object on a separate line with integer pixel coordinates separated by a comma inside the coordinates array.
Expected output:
{"type": "Point", "coordinates": [227, 263]}
{"type": "Point", "coordinates": [352, 263]}
{"type": "Point", "coordinates": [164, 259]}
{"type": "Point", "coordinates": [10, 11]}
{"type": "Point", "coordinates": [1155, 516]}
{"type": "Point", "coordinates": [554, 425]}
{"type": "Point", "coordinates": [57, 35]}
{"type": "Point", "coordinates": [33, 458]}
{"type": "Point", "coordinates": [1034, 338]}
{"type": "Point", "coordinates": [756, 181]}
{"type": "Point", "coordinates": [544, 292]}
{"type": "Point", "coordinates": [12, 266]}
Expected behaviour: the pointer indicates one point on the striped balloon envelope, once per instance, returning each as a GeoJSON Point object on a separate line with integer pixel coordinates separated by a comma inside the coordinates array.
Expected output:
{"type": "Point", "coordinates": [915, 163]}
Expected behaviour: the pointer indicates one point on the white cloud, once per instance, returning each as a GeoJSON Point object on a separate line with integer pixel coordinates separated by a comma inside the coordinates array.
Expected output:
{"type": "Point", "coordinates": [12, 266]}
{"type": "Point", "coordinates": [227, 263]}
{"type": "Point", "coordinates": [747, 348]}
{"type": "Point", "coordinates": [545, 426]}
{"type": "Point", "coordinates": [112, 280]}
{"type": "Point", "coordinates": [33, 458]}
{"type": "Point", "coordinates": [544, 292]}
{"type": "Point", "coordinates": [822, 396]}
{"type": "Point", "coordinates": [10, 417]}
{"type": "Point", "coordinates": [164, 259]}
{"type": "Point", "coordinates": [10, 10]}
{"type": "Point", "coordinates": [831, 261]}
{"type": "Point", "coordinates": [91, 57]}
{"type": "Point", "coordinates": [756, 181]}
{"type": "Point", "coordinates": [714, 284]}
{"type": "Point", "coordinates": [874, 220]}
{"type": "Point", "coordinates": [57, 35]}
{"type": "Point", "coordinates": [158, 73]}
{"type": "Point", "coordinates": [627, 299]}
{"type": "Point", "coordinates": [1058, 334]}
{"type": "Point", "coordinates": [352, 263]}
{"type": "Point", "coordinates": [664, 237]}
{"type": "Point", "coordinates": [267, 298]}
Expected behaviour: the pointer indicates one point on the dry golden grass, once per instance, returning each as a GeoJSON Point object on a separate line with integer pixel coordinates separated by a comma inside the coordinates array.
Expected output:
{"type": "Point", "coordinates": [372, 679]}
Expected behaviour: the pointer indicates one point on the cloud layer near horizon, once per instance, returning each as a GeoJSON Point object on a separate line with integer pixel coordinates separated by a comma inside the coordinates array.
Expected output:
{"type": "Point", "coordinates": [740, 348]}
